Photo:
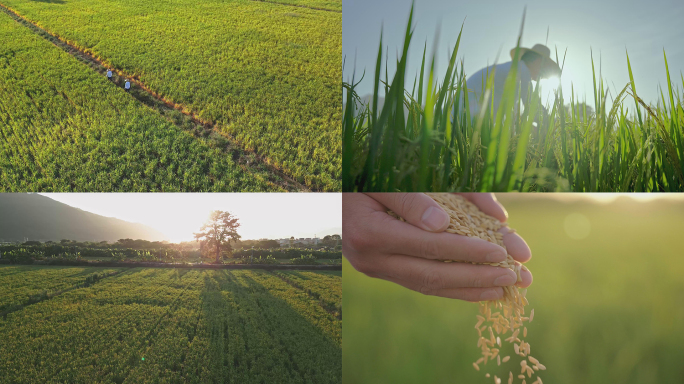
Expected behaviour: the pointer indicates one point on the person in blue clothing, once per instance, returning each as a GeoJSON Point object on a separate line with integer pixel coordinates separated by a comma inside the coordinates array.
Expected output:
{"type": "Point", "coordinates": [535, 64]}
{"type": "Point", "coordinates": [127, 86]}
{"type": "Point", "coordinates": [109, 74]}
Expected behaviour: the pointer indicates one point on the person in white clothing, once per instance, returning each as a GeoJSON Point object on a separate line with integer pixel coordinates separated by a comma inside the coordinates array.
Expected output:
{"type": "Point", "coordinates": [535, 64]}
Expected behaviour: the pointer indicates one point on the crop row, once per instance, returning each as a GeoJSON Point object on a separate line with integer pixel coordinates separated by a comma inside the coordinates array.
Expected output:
{"type": "Point", "coordinates": [171, 326]}
{"type": "Point", "coordinates": [247, 334]}
{"type": "Point", "coordinates": [97, 332]}
{"type": "Point", "coordinates": [64, 128]}
{"type": "Point", "coordinates": [265, 73]}
{"type": "Point", "coordinates": [327, 288]}
{"type": "Point", "coordinates": [299, 300]}
{"type": "Point", "coordinates": [19, 285]}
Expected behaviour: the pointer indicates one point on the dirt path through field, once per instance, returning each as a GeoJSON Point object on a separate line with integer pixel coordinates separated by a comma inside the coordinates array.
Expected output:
{"type": "Point", "coordinates": [176, 114]}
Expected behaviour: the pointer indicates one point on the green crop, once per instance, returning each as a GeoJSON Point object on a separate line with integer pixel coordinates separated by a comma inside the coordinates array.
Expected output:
{"type": "Point", "coordinates": [317, 284]}
{"type": "Point", "coordinates": [65, 128]}
{"type": "Point", "coordinates": [20, 284]}
{"type": "Point", "coordinates": [424, 138]}
{"type": "Point", "coordinates": [172, 326]}
{"type": "Point", "coordinates": [267, 74]}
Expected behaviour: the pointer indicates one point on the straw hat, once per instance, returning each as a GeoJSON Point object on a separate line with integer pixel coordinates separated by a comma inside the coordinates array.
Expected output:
{"type": "Point", "coordinates": [549, 67]}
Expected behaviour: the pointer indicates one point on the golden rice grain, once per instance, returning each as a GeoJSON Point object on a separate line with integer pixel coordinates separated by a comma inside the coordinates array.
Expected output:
{"type": "Point", "coordinates": [498, 316]}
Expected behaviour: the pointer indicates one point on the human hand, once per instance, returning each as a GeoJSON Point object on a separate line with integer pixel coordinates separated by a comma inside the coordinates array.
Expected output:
{"type": "Point", "coordinates": [408, 253]}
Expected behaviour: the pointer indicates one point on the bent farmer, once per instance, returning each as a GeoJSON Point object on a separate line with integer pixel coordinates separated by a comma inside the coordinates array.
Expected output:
{"type": "Point", "coordinates": [109, 74]}
{"type": "Point", "coordinates": [127, 86]}
{"type": "Point", "coordinates": [537, 65]}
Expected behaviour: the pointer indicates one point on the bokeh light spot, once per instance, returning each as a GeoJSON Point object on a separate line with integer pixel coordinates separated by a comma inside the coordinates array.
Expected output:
{"type": "Point", "coordinates": [577, 226]}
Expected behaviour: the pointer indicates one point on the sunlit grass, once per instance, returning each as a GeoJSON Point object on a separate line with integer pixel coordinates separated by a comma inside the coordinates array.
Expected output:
{"type": "Point", "coordinates": [424, 138]}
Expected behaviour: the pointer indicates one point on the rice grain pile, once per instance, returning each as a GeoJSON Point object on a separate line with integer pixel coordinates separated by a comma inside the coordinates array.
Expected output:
{"type": "Point", "coordinates": [497, 318]}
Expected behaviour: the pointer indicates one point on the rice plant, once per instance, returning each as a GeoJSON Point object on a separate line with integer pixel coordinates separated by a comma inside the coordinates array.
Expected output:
{"type": "Point", "coordinates": [424, 137]}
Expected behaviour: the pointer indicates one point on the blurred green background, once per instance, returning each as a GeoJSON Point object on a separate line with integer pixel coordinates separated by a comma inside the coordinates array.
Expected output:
{"type": "Point", "coordinates": [607, 294]}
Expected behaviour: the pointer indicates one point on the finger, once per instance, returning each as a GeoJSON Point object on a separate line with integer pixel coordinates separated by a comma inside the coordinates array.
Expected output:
{"type": "Point", "coordinates": [488, 204]}
{"type": "Point", "coordinates": [466, 294]}
{"type": "Point", "coordinates": [526, 277]}
{"type": "Point", "coordinates": [428, 276]}
{"type": "Point", "coordinates": [408, 240]}
{"type": "Point", "coordinates": [416, 208]}
{"type": "Point", "coordinates": [516, 245]}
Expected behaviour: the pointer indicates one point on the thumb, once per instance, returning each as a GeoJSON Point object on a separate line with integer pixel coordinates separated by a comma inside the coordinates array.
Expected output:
{"type": "Point", "coordinates": [416, 208]}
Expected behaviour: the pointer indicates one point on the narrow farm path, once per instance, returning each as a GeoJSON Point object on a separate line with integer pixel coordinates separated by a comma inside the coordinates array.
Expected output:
{"type": "Point", "coordinates": [176, 114]}
{"type": "Point", "coordinates": [49, 296]}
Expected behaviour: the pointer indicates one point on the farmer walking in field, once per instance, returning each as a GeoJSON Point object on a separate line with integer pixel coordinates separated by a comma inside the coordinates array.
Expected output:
{"type": "Point", "coordinates": [537, 65]}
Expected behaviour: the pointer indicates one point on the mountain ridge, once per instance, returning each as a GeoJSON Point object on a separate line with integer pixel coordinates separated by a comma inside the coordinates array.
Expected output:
{"type": "Point", "coordinates": [41, 218]}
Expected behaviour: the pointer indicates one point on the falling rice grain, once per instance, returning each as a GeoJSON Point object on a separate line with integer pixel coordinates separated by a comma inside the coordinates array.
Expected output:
{"type": "Point", "coordinates": [505, 314]}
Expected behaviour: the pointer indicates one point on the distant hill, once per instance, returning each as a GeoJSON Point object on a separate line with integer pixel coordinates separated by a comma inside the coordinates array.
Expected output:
{"type": "Point", "coordinates": [37, 217]}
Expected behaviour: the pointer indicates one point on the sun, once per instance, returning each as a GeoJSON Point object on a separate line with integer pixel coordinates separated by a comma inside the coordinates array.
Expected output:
{"type": "Point", "coordinates": [549, 84]}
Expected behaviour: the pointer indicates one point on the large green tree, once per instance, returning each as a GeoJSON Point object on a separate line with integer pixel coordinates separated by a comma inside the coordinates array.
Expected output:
{"type": "Point", "coordinates": [218, 232]}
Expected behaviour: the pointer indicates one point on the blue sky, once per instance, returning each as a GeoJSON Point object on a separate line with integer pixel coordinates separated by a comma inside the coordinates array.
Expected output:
{"type": "Point", "coordinates": [607, 27]}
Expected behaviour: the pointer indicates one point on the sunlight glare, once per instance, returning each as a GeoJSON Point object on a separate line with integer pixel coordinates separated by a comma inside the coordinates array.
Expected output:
{"type": "Point", "coordinates": [550, 84]}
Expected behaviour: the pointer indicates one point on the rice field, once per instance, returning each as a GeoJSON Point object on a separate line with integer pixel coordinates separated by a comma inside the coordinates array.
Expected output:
{"type": "Point", "coordinates": [64, 128]}
{"type": "Point", "coordinates": [264, 74]}
{"type": "Point", "coordinates": [167, 325]}
{"type": "Point", "coordinates": [424, 138]}
{"type": "Point", "coordinates": [607, 281]}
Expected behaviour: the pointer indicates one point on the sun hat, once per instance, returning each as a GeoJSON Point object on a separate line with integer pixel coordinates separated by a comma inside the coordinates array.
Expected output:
{"type": "Point", "coordinates": [549, 67]}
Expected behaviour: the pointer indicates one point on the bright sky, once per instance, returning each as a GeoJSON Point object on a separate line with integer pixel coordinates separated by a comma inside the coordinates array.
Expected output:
{"type": "Point", "coordinates": [644, 28]}
{"type": "Point", "coordinates": [178, 215]}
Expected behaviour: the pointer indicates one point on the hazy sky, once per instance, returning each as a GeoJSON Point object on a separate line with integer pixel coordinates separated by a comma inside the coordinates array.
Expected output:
{"type": "Point", "coordinates": [178, 215]}
{"type": "Point", "coordinates": [644, 28]}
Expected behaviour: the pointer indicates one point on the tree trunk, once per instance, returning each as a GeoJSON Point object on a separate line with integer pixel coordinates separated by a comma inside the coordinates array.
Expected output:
{"type": "Point", "coordinates": [218, 252]}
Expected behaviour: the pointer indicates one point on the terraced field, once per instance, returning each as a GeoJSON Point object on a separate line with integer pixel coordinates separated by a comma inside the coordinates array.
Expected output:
{"type": "Point", "coordinates": [264, 74]}
{"type": "Point", "coordinates": [170, 326]}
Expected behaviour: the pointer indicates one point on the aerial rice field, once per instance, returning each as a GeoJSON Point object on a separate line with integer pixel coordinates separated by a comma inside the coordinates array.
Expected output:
{"type": "Point", "coordinates": [167, 325]}
{"type": "Point", "coordinates": [64, 128]}
{"type": "Point", "coordinates": [423, 137]}
{"type": "Point", "coordinates": [264, 74]}
{"type": "Point", "coordinates": [606, 298]}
